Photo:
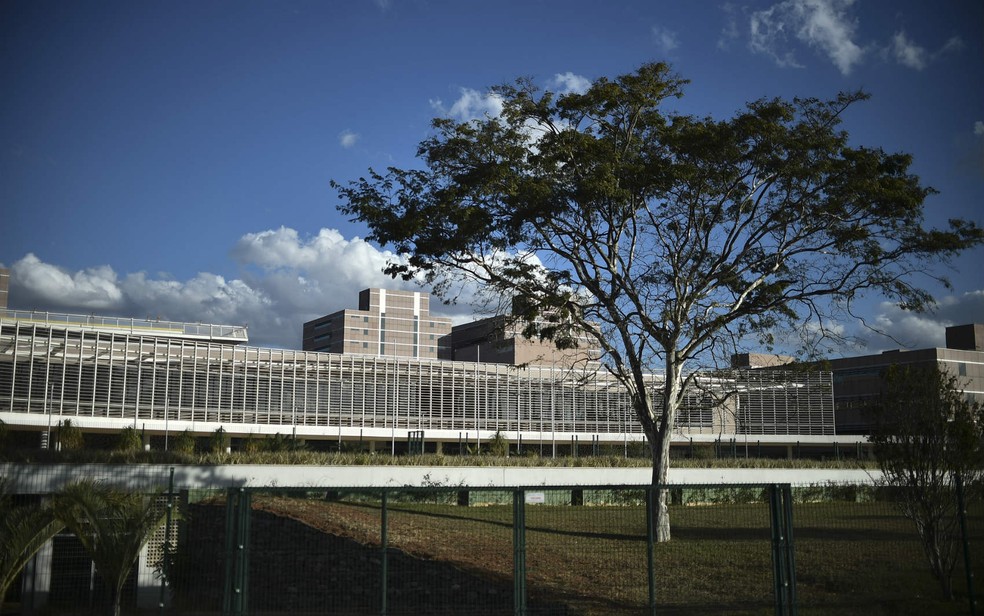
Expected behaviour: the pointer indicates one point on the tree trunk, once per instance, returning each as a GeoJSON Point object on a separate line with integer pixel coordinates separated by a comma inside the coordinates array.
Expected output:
{"type": "Point", "coordinates": [659, 446]}
{"type": "Point", "coordinates": [659, 434]}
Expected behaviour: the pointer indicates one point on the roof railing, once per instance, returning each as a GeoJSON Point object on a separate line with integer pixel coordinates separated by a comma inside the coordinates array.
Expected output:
{"type": "Point", "coordinates": [158, 327]}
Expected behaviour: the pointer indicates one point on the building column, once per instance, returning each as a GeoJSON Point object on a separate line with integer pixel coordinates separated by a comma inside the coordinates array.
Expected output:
{"type": "Point", "coordinates": [36, 580]}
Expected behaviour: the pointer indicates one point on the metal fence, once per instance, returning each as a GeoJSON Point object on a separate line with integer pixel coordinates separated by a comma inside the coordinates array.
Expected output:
{"type": "Point", "coordinates": [440, 549]}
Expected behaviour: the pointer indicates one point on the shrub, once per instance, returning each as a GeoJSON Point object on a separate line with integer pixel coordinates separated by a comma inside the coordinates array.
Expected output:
{"type": "Point", "coordinates": [183, 443]}
{"type": "Point", "coordinates": [69, 436]}
{"type": "Point", "coordinates": [218, 441]}
{"type": "Point", "coordinates": [129, 440]}
{"type": "Point", "coordinates": [498, 445]}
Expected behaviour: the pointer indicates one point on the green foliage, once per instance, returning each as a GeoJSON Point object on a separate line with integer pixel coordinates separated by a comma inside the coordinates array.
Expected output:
{"type": "Point", "coordinates": [182, 443]}
{"type": "Point", "coordinates": [279, 443]}
{"type": "Point", "coordinates": [704, 452]}
{"type": "Point", "coordinates": [927, 435]}
{"type": "Point", "coordinates": [498, 445]}
{"type": "Point", "coordinates": [112, 526]}
{"type": "Point", "coordinates": [662, 237]}
{"type": "Point", "coordinates": [218, 441]}
{"type": "Point", "coordinates": [252, 445]}
{"type": "Point", "coordinates": [69, 436]}
{"type": "Point", "coordinates": [129, 440]}
{"type": "Point", "coordinates": [23, 530]}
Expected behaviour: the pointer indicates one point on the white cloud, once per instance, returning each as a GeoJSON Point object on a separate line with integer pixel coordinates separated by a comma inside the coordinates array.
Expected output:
{"type": "Point", "coordinates": [908, 53]}
{"type": "Point", "coordinates": [820, 24]}
{"type": "Point", "coordinates": [568, 83]}
{"type": "Point", "coordinates": [471, 105]}
{"type": "Point", "coordinates": [954, 43]}
{"type": "Point", "coordinates": [94, 288]}
{"type": "Point", "coordinates": [729, 32]}
{"type": "Point", "coordinates": [347, 138]}
{"type": "Point", "coordinates": [285, 280]}
{"type": "Point", "coordinates": [979, 128]}
{"type": "Point", "coordinates": [666, 39]}
{"type": "Point", "coordinates": [926, 330]}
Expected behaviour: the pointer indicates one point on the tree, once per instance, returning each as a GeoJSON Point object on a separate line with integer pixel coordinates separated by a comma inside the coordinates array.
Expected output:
{"type": "Point", "coordinates": [112, 526]}
{"type": "Point", "coordinates": [24, 529]}
{"type": "Point", "coordinates": [664, 236]}
{"type": "Point", "coordinates": [927, 435]}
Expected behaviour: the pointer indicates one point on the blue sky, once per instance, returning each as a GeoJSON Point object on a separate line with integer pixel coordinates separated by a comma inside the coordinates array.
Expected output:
{"type": "Point", "coordinates": [173, 159]}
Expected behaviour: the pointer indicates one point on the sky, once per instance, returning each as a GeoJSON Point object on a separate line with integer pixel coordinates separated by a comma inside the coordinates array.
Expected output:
{"type": "Point", "coordinates": [173, 159]}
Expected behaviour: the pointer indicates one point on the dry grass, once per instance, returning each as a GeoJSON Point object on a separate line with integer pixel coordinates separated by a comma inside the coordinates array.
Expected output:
{"type": "Point", "coordinates": [852, 558]}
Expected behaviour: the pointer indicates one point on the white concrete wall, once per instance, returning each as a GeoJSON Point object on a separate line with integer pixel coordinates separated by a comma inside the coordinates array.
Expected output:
{"type": "Point", "coordinates": [49, 478]}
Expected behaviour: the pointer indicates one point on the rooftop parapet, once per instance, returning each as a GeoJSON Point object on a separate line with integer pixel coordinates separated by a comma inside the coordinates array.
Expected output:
{"type": "Point", "coordinates": [235, 334]}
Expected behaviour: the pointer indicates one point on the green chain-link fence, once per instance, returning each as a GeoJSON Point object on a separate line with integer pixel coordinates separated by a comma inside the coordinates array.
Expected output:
{"type": "Point", "coordinates": [737, 549]}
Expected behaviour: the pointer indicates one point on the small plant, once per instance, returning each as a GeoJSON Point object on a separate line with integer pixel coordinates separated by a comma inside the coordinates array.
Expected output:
{"type": "Point", "coordinates": [252, 445]}
{"type": "Point", "coordinates": [69, 436]}
{"type": "Point", "coordinates": [183, 443]}
{"type": "Point", "coordinates": [218, 441]}
{"type": "Point", "coordinates": [129, 440]}
{"type": "Point", "coordinates": [498, 445]}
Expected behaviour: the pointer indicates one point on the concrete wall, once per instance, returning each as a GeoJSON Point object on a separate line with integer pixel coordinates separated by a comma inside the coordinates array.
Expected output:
{"type": "Point", "coordinates": [49, 478]}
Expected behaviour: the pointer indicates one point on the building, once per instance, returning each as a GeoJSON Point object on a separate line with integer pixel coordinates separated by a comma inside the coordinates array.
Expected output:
{"type": "Point", "coordinates": [163, 377]}
{"type": "Point", "coordinates": [497, 340]}
{"type": "Point", "coordinates": [858, 380]}
{"type": "Point", "coordinates": [387, 323]}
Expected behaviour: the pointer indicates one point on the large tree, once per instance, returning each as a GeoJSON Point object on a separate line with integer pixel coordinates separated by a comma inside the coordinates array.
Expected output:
{"type": "Point", "coordinates": [660, 234]}
{"type": "Point", "coordinates": [928, 434]}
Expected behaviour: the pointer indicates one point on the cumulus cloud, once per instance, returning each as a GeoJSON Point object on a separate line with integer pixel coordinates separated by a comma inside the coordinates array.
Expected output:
{"type": "Point", "coordinates": [347, 139]}
{"type": "Point", "coordinates": [821, 24]}
{"type": "Point", "coordinates": [666, 39]}
{"type": "Point", "coordinates": [284, 280]}
{"type": "Point", "coordinates": [979, 128]}
{"type": "Point", "coordinates": [471, 105]}
{"type": "Point", "coordinates": [926, 330]}
{"type": "Point", "coordinates": [568, 83]}
{"type": "Point", "coordinates": [94, 288]}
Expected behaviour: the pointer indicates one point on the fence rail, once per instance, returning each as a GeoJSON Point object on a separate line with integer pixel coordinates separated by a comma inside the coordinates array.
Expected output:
{"type": "Point", "coordinates": [535, 550]}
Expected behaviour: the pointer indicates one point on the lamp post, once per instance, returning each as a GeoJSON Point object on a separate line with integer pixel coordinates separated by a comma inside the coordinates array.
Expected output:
{"type": "Point", "coordinates": [47, 403]}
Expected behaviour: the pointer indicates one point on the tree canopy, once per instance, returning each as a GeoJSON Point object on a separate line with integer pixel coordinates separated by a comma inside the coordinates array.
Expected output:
{"type": "Point", "coordinates": [660, 234]}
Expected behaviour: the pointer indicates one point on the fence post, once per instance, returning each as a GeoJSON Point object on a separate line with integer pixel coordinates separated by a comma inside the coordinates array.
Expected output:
{"type": "Point", "coordinates": [783, 560]}
{"type": "Point", "coordinates": [235, 600]}
{"type": "Point", "coordinates": [384, 560]}
{"type": "Point", "coordinates": [962, 512]}
{"type": "Point", "coordinates": [519, 553]}
{"type": "Point", "coordinates": [650, 546]}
